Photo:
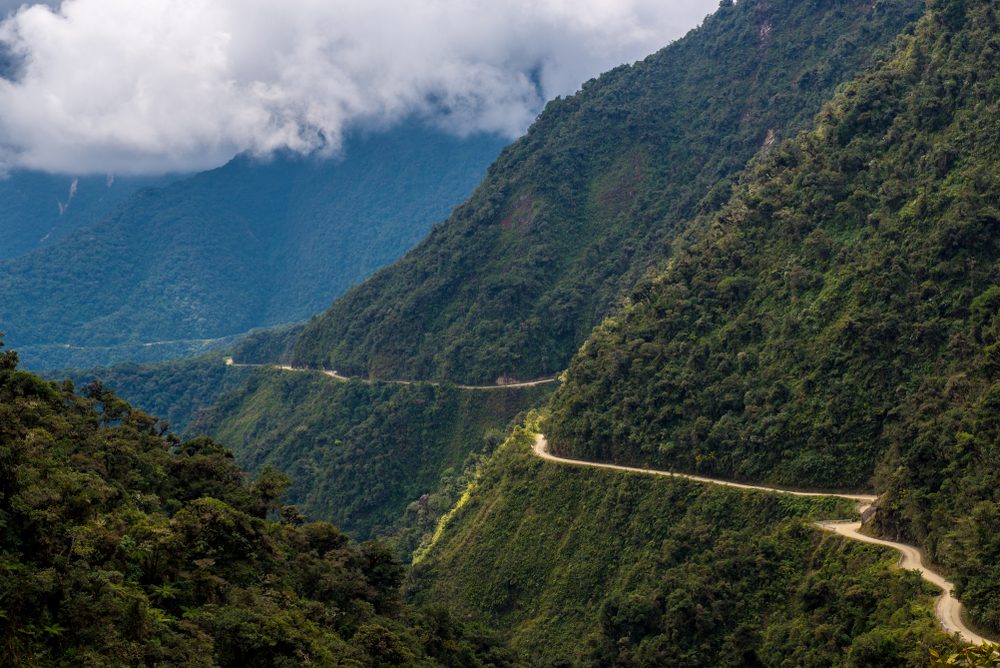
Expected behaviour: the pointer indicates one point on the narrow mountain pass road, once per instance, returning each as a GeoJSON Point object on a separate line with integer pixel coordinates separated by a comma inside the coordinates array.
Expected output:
{"type": "Point", "coordinates": [948, 609]}
{"type": "Point", "coordinates": [369, 381]}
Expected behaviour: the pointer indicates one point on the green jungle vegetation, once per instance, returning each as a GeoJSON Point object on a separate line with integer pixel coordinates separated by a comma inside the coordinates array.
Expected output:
{"type": "Point", "coordinates": [377, 460]}
{"type": "Point", "coordinates": [121, 545]}
{"type": "Point", "coordinates": [839, 319]}
{"type": "Point", "coordinates": [247, 245]}
{"type": "Point", "coordinates": [832, 319]}
{"type": "Point", "coordinates": [987, 656]}
{"type": "Point", "coordinates": [175, 390]}
{"type": "Point", "coordinates": [573, 213]}
{"type": "Point", "coordinates": [582, 567]}
{"type": "Point", "coordinates": [268, 346]}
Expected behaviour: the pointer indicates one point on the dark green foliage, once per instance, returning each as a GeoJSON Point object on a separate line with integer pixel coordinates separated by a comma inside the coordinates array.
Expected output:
{"type": "Point", "coordinates": [120, 546]}
{"type": "Point", "coordinates": [574, 212]}
{"type": "Point", "coordinates": [177, 390]}
{"type": "Point", "coordinates": [379, 460]}
{"type": "Point", "coordinates": [846, 271]}
{"type": "Point", "coordinates": [374, 459]}
{"type": "Point", "coordinates": [841, 314]}
{"type": "Point", "coordinates": [596, 568]}
{"type": "Point", "coordinates": [247, 245]}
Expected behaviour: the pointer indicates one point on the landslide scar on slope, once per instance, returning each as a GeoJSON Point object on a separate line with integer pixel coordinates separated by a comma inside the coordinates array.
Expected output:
{"type": "Point", "coordinates": [617, 192]}
{"type": "Point", "coordinates": [523, 215]}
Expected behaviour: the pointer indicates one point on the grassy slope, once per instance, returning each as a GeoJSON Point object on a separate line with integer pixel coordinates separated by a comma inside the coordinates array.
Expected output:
{"type": "Point", "coordinates": [586, 567]}
{"type": "Point", "coordinates": [361, 454]}
{"type": "Point", "coordinates": [574, 212]}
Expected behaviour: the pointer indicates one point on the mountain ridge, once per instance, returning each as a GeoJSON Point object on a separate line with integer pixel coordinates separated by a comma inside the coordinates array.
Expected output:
{"type": "Point", "coordinates": [837, 322]}
{"type": "Point", "coordinates": [573, 213]}
{"type": "Point", "coordinates": [38, 209]}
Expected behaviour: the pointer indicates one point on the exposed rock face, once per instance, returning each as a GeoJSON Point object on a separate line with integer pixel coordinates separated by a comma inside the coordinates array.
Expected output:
{"type": "Point", "coordinates": [880, 519]}
{"type": "Point", "coordinates": [868, 514]}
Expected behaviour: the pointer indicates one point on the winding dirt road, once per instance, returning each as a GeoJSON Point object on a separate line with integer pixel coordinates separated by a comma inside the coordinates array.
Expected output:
{"type": "Point", "coordinates": [369, 381]}
{"type": "Point", "coordinates": [948, 609]}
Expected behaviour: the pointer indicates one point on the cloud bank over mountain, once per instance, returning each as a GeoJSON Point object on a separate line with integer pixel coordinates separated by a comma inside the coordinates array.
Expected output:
{"type": "Point", "coordinates": [164, 85]}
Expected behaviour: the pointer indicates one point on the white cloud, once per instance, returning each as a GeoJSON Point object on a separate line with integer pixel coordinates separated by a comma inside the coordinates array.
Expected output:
{"type": "Point", "coordinates": [153, 85]}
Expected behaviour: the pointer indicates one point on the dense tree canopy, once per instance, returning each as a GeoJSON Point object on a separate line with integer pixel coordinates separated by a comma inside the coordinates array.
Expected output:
{"type": "Point", "coordinates": [122, 545]}
{"type": "Point", "coordinates": [584, 567]}
{"type": "Point", "coordinates": [832, 320]}
{"type": "Point", "coordinates": [841, 316]}
{"type": "Point", "coordinates": [378, 460]}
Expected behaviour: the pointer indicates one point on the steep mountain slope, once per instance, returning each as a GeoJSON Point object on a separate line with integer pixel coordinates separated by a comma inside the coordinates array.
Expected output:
{"type": "Point", "coordinates": [597, 568]}
{"type": "Point", "coordinates": [175, 390]}
{"type": "Point", "coordinates": [840, 315]}
{"type": "Point", "coordinates": [573, 213]}
{"type": "Point", "coordinates": [38, 209]}
{"type": "Point", "coordinates": [360, 454]}
{"type": "Point", "coordinates": [378, 460]}
{"type": "Point", "coordinates": [242, 246]}
{"type": "Point", "coordinates": [123, 547]}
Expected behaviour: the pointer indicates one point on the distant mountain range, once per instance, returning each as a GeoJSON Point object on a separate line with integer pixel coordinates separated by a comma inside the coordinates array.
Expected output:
{"type": "Point", "coordinates": [38, 209]}
{"type": "Point", "coordinates": [179, 268]}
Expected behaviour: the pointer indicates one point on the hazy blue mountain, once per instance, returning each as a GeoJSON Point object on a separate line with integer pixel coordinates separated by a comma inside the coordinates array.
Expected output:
{"type": "Point", "coordinates": [38, 209]}
{"type": "Point", "coordinates": [247, 245]}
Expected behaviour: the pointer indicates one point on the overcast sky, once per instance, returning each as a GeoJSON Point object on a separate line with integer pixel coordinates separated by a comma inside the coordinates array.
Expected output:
{"type": "Point", "coordinates": [130, 86]}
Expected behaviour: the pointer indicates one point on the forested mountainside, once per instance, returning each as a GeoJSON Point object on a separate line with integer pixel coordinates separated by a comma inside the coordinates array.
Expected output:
{"type": "Point", "coordinates": [584, 567]}
{"type": "Point", "coordinates": [575, 211]}
{"type": "Point", "coordinates": [268, 346]}
{"type": "Point", "coordinates": [249, 244]}
{"type": "Point", "coordinates": [840, 317]}
{"type": "Point", "coordinates": [175, 390]}
{"type": "Point", "coordinates": [38, 209]}
{"type": "Point", "coordinates": [124, 546]}
{"type": "Point", "coordinates": [832, 319]}
{"type": "Point", "coordinates": [377, 460]}
{"type": "Point", "coordinates": [383, 460]}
